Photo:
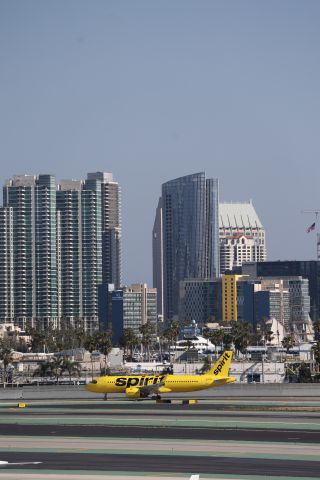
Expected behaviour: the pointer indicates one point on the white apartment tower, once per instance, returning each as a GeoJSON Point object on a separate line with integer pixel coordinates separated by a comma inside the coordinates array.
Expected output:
{"type": "Point", "coordinates": [111, 227]}
{"type": "Point", "coordinates": [242, 235]}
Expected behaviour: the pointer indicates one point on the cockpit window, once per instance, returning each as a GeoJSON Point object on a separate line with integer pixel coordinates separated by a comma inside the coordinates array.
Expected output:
{"type": "Point", "coordinates": [94, 381]}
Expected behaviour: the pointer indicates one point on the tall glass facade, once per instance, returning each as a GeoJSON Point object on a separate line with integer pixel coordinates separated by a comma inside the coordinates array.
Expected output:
{"type": "Point", "coordinates": [190, 234]}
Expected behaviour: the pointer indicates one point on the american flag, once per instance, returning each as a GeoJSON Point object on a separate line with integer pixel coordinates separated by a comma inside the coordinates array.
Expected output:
{"type": "Point", "coordinates": [312, 227]}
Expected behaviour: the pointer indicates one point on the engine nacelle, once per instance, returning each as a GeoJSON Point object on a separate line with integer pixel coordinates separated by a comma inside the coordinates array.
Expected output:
{"type": "Point", "coordinates": [164, 390]}
{"type": "Point", "coordinates": [133, 392]}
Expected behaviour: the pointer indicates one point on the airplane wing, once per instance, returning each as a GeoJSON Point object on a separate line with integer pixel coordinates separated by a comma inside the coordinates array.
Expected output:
{"type": "Point", "coordinates": [152, 389]}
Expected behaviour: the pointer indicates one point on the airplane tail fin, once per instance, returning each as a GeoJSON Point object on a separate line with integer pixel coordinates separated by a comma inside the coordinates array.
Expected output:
{"type": "Point", "coordinates": [222, 365]}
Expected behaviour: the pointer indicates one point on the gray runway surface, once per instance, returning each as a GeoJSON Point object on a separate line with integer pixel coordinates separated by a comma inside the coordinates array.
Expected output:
{"type": "Point", "coordinates": [183, 414]}
{"type": "Point", "coordinates": [215, 439]}
{"type": "Point", "coordinates": [243, 434]}
{"type": "Point", "coordinates": [165, 463]}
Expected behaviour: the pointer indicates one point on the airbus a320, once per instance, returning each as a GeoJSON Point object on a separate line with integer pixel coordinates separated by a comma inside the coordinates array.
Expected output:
{"type": "Point", "coordinates": [143, 386]}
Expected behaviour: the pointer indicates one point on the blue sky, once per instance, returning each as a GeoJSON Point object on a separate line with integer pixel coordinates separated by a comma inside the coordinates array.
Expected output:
{"type": "Point", "coordinates": [152, 90]}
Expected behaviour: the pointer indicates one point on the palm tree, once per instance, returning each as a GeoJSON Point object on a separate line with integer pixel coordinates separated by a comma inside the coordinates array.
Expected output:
{"type": "Point", "coordinates": [316, 328]}
{"type": "Point", "coordinates": [56, 367]}
{"type": "Point", "coordinates": [264, 333]}
{"type": "Point", "coordinates": [104, 344]}
{"type": "Point", "coordinates": [287, 343]}
{"type": "Point", "coordinates": [90, 344]}
{"type": "Point", "coordinates": [38, 339]}
{"type": "Point", "coordinates": [206, 364]}
{"type": "Point", "coordinates": [215, 336]}
{"type": "Point", "coordinates": [316, 354]}
{"type": "Point", "coordinates": [147, 331]}
{"type": "Point", "coordinates": [73, 368]}
{"type": "Point", "coordinates": [242, 335]}
{"type": "Point", "coordinates": [43, 370]}
{"type": "Point", "coordinates": [171, 333]}
{"type": "Point", "coordinates": [6, 353]}
{"type": "Point", "coordinates": [129, 340]}
{"type": "Point", "coordinates": [304, 375]}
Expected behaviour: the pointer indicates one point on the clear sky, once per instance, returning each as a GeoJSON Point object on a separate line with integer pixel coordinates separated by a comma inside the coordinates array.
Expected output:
{"type": "Point", "coordinates": [153, 90]}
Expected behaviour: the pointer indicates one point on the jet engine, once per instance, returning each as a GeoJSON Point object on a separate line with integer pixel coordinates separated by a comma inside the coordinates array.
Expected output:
{"type": "Point", "coordinates": [133, 392]}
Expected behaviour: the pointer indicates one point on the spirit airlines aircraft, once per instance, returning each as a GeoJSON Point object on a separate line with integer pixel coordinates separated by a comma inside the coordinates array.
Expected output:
{"type": "Point", "coordinates": [142, 386]}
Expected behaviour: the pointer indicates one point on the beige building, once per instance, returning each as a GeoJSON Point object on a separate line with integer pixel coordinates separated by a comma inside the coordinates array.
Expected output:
{"type": "Point", "coordinates": [241, 235]}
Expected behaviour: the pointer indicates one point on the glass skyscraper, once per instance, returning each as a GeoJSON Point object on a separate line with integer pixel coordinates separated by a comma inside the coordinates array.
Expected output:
{"type": "Point", "coordinates": [190, 234]}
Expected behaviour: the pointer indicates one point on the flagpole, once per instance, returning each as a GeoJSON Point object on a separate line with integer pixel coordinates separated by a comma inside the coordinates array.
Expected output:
{"type": "Point", "coordinates": [313, 227]}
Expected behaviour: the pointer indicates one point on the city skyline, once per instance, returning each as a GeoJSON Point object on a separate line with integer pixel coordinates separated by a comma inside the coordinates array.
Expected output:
{"type": "Point", "coordinates": [154, 92]}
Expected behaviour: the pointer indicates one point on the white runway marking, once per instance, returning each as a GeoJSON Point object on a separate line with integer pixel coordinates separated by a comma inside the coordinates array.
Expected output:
{"type": "Point", "coordinates": [4, 463]}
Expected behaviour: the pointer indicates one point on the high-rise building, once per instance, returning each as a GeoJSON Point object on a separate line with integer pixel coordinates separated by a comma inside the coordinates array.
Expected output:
{"type": "Point", "coordinates": [132, 307]}
{"type": "Point", "coordinates": [272, 300]}
{"type": "Point", "coordinates": [51, 249]}
{"type": "Point", "coordinates": [309, 269]}
{"type": "Point", "coordinates": [6, 265]}
{"type": "Point", "coordinates": [157, 257]}
{"type": "Point", "coordinates": [34, 246]}
{"type": "Point", "coordinates": [285, 299]}
{"type": "Point", "coordinates": [79, 250]}
{"type": "Point", "coordinates": [200, 301]}
{"type": "Point", "coordinates": [242, 236]}
{"type": "Point", "coordinates": [46, 250]}
{"type": "Point", "coordinates": [229, 297]}
{"type": "Point", "coordinates": [190, 234]}
{"type": "Point", "coordinates": [111, 227]}
{"type": "Point", "coordinates": [91, 251]}
{"type": "Point", "coordinates": [69, 226]}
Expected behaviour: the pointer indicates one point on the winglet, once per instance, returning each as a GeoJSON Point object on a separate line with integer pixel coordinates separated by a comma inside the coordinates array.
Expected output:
{"type": "Point", "coordinates": [222, 365]}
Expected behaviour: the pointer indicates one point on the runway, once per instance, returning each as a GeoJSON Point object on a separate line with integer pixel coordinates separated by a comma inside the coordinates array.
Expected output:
{"type": "Point", "coordinates": [164, 433]}
{"type": "Point", "coordinates": [165, 463]}
{"type": "Point", "coordinates": [122, 438]}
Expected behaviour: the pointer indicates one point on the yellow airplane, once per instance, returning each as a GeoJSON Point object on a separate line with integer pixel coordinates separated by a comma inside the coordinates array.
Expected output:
{"type": "Point", "coordinates": [142, 386]}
